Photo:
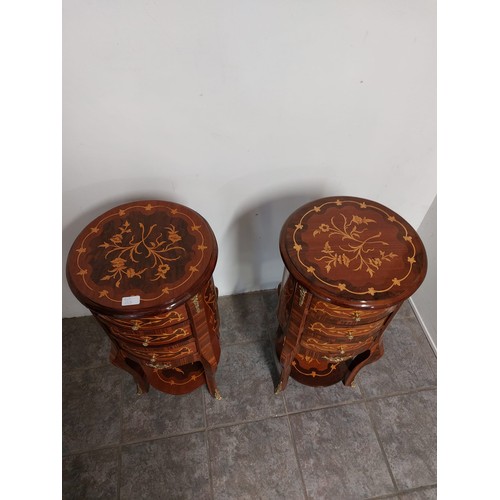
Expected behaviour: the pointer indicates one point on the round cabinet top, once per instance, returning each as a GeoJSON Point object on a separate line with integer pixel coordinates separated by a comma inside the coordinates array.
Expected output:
{"type": "Point", "coordinates": [140, 257]}
{"type": "Point", "coordinates": [353, 252]}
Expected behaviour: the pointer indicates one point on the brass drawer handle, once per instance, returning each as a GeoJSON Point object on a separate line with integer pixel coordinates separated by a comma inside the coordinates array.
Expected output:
{"type": "Point", "coordinates": [135, 327]}
{"type": "Point", "coordinates": [154, 364]}
{"type": "Point", "coordinates": [146, 341]}
{"type": "Point", "coordinates": [341, 350]}
{"type": "Point", "coordinates": [336, 359]}
{"type": "Point", "coordinates": [357, 316]}
{"type": "Point", "coordinates": [159, 366]}
{"type": "Point", "coordinates": [349, 334]}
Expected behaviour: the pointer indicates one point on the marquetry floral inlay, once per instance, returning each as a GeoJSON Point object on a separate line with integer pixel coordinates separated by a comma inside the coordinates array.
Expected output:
{"type": "Point", "coordinates": [148, 250]}
{"type": "Point", "coordinates": [152, 250]}
{"type": "Point", "coordinates": [352, 246]}
{"type": "Point", "coordinates": [352, 249]}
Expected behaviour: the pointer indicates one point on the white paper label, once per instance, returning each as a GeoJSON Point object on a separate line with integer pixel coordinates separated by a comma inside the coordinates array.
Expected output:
{"type": "Point", "coordinates": [131, 301]}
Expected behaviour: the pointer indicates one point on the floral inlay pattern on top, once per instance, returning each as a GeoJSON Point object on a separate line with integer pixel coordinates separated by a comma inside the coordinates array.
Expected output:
{"type": "Point", "coordinates": [346, 247]}
{"type": "Point", "coordinates": [143, 252]}
{"type": "Point", "coordinates": [356, 248]}
{"type": "Point", "coordinates": [122, 248]}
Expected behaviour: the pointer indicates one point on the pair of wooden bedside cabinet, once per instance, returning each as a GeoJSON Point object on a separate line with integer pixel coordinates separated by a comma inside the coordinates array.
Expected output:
{"type": "Point", "coordinates": [144, 270]}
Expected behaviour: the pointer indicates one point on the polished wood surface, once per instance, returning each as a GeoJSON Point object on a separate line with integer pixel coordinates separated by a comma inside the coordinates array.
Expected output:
{"type": "Point", "coordinates": [144, 269]}
{"type": "Point", "coordinates": [353, 252]}
{"type": "Point", "coordinates": [350, 263]}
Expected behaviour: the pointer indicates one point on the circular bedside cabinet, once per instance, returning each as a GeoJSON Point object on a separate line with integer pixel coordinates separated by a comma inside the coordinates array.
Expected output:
{"type": "Point", "coordinates": [349, 265]}
{"type": "Point", "coordinates": [144, 269]}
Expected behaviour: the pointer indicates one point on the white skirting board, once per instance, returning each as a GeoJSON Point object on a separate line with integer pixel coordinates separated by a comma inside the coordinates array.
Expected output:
{"type": "Point", "coordinates": [422, 324]}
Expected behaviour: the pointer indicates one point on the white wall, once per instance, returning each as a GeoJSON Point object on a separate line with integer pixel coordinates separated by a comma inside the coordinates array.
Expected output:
{"type": "Point", "coordinates": [425, 298]}
{"type": "Point", "coordinates": [244, 111]}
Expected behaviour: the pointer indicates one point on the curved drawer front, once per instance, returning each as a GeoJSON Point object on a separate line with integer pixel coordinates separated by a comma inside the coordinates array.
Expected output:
{"type": "Point", "coordinates": [333, 351]}
{"type": "Point", "coordinates": [324, 311]}
{"type": "Point", "coordinates": [155, 322]}
{"type": "Point", "coordinates": [161, 355]}
{"type": "Point", "coordinates": [153, 337]}
{"type": "Point", "coordinates": [339, 334]}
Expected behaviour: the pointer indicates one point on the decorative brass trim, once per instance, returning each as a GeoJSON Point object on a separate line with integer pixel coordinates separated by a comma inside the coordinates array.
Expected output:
{"type": "Point", "coordinates": [302, 293]}
{"type": "Point", "coordinates": [196, 303]}
{"type": "Point", "coordinates": [337, 359]}
{"type": "Point", "coordinates": [159, 366]}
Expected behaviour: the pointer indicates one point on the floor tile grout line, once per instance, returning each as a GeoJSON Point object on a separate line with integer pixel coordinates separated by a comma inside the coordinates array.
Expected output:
{"type": "Point", "coordinates": [90, 450]}
{"type": "Point", "coordinates": [247, 421]}
{"type": "Point", "coordinates": [119, 481]}
{"type": "Point", "coordinates": [358, 401]}
{"type": "Point", "coordinates": [418, 488]}
{"type": "Point", "coordinates": [86, 368]}
{"type": "Point", "coordinates": [198, 430]}
{"type": "Point", "coordinates": [295, 452]}
{"type": "Point", "coordinates": [209, 465]}
{"type": "Point", "coordinates": [384, 454]}
{"type": "Point", "coordinates": [401, 393]}
{"type": "Point", "coordinates": [207, 444]}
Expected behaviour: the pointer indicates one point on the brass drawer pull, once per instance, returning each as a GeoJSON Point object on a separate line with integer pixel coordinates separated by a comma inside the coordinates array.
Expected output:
{"type": "Point", "coordinates": [159, 366]}
{"type": "Point", "coordinates": [357, 316]}
{"type": "Point", "coordinates": [146, 341]}
{"type": "Point", "coordinates": [349, 334]}
{"type": "Point", "coordinates": [154, 364]}
{"type": "Point", "coordinates": [336, 359]}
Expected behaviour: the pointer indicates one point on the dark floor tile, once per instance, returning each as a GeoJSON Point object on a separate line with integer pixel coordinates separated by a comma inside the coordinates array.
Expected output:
{"type": "Point", "coordinates": [91, 401]}
{"type": "Point", "coordinates": [300, 397]}
{"type": "Point", "coordinates": [422, 494]}
{"type": "Point", "coordinates": [254, 460]}
{"type": "Point", "coordinates": [424, 343]}
{"type": "Point", "coordinates": [271, 299]}
{"type": "Point", "coordinates": [156, 414]}
{"type": "Point", "coordinates": [84, 344]}
{"type": "Point", "coordinates": [406, 426]}
{"type": "Point", "coordinates": [406, 310]}
{"type": "Point", "coordinates": [245, 380]}
{"type": "Point", "coordinates": [91, 475]}
{"type": "Point", "coordinates": [402, 367]}
{"type": "Point", "coordinates": [339, 454]}
{"type": "Point", "coordinates": [244, 318]}
{"type": "Point", "coordinates": [172, 468]}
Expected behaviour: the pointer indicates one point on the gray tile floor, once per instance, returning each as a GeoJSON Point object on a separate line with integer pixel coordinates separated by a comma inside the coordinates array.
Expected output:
{"type": "Point", "coordinates": [377, 440]}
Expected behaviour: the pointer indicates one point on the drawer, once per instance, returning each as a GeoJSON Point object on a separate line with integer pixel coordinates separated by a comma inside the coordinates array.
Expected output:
{"type": "Point", "coordinates": [153, 337]}
{"type": "Point", "coordinates": [351, 334]}
{"type": "Point", "coordinates": [321, 310]}
{"type": "Point", "coordinates": [155, 357]}
{"type": "Point", "coordinates": [155, 322]}
{"type": "Point", "coordinates": [334, 351]}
